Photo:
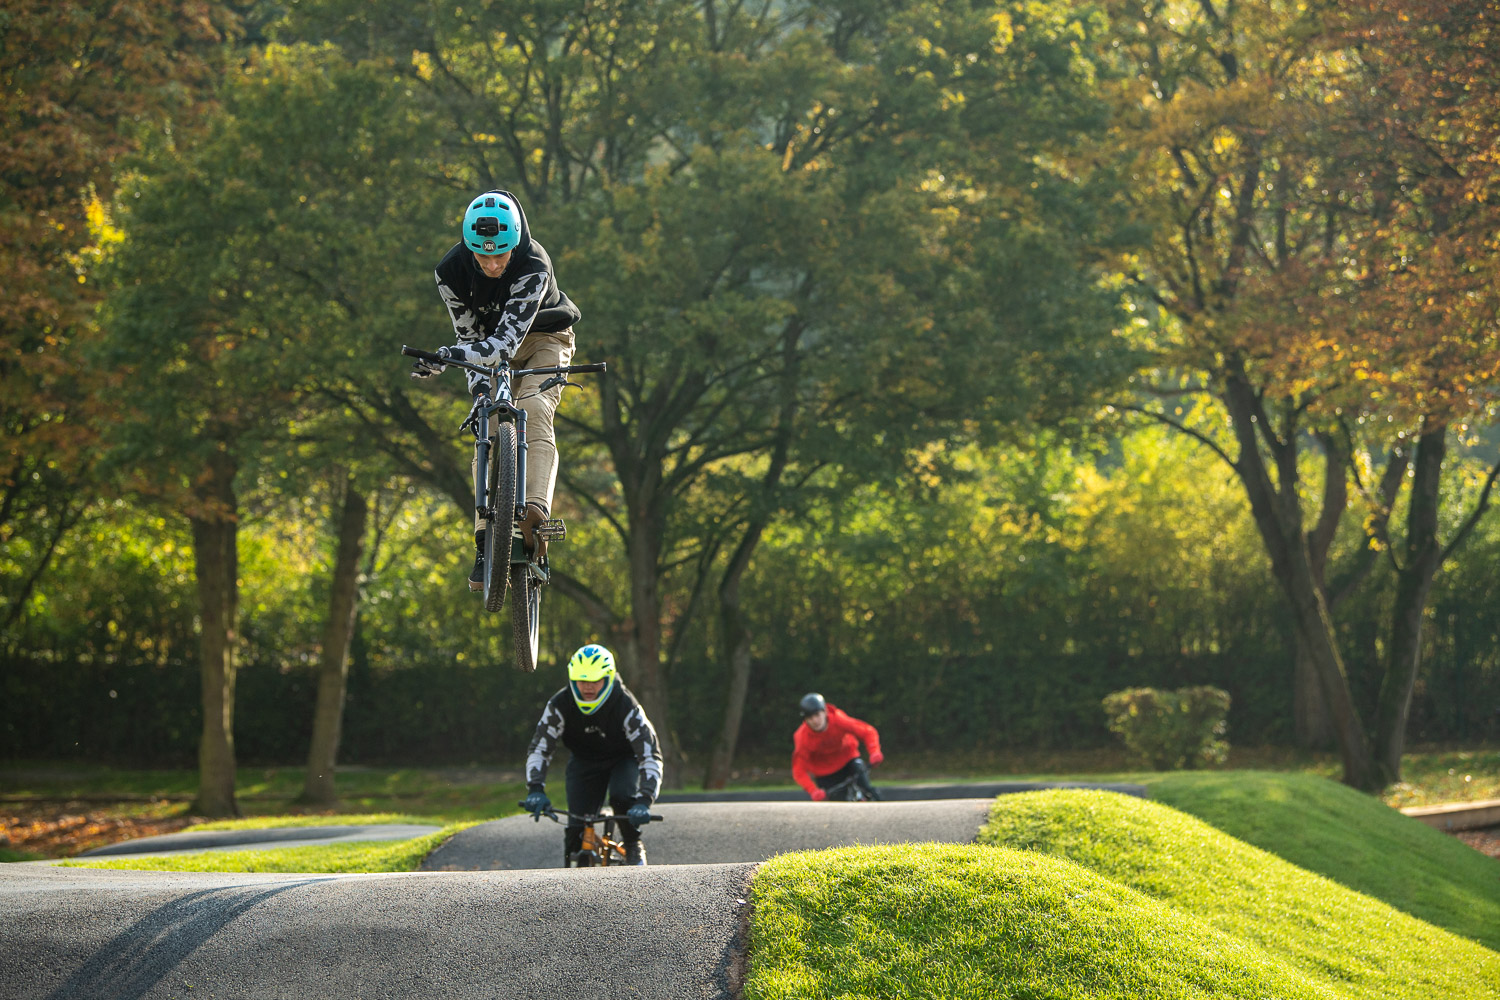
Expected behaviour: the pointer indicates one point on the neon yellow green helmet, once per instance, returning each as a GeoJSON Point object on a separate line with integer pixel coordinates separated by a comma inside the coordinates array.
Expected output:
{"type": "Point", "coordinates": [591, 663]}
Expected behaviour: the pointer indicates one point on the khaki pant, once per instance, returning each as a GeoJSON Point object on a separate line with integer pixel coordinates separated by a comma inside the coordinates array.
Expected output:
{"type": "Point", "coordinates": [539, 350]}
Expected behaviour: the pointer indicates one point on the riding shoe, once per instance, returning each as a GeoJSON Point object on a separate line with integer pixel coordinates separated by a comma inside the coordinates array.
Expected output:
{"type": "Point", "coordinates": [635, 853]}
{"type": "Point", "coordinates": [476, 575]}
{"type": "Point", "coordinates": [535, 544]}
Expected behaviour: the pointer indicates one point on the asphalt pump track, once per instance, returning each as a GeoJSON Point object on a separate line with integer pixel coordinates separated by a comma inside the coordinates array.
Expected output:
{"type": "Point", "coordinates": [492, 916]}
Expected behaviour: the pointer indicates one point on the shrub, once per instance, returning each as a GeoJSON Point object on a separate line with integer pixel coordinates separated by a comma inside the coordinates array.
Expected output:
{"type": "Point", "coordinates": [1171, 730]}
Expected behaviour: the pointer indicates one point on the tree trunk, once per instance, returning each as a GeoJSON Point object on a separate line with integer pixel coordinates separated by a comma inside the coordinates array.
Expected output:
{"type": "Point", "coordinates": [333, 670]}
{"type": "Point", "coordinates": [643, 649]}
{"type": "Point", "coordinates": [736, 639]}
{"type": "Point", "coordinates": [215, 558]}
{"type": "Point", "coordinates": [1421, 557]}
{"type": "Point", "coordinates": [1277, 512]}
{"type": "Point", "coordinates": [1309, 714]}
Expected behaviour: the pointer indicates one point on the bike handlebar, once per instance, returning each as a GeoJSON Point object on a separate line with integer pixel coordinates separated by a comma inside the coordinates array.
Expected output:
{"type": "Point", "coordinates": [413, 352]}
{"type": "Point", "coordinates": [586, 818]}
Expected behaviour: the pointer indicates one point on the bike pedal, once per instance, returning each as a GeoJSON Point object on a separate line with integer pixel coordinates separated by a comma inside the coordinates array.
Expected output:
{"type": "Point", "coordinates": [552, 529]}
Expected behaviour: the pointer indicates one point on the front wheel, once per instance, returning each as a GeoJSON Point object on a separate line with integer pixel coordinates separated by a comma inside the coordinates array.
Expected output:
{"type": "Point", "coordinates": [502, 524]}
{"type": "Point", "coordinates": [525, 616]}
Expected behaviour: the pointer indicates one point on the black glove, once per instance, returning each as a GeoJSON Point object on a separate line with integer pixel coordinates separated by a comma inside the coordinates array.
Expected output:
{"type": "Point", "coordinates": [640, 813]}
{"type": "Point", "coordinates": [423, 368]}
{"type": "Point", "coordinates": [537, 802]}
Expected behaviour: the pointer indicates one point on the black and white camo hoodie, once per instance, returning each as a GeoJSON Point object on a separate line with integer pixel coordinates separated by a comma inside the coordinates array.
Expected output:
{"type": "Point", "coordinates": [618, 728]}
{"type": "Point", "coordinates": [491, 316]}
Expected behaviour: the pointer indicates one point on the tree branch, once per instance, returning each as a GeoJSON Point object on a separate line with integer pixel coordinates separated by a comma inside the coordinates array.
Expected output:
{"type": "Point", "coordinates": [1473, 519]}
{"type": "Point", "coordinates": [1198, 436]}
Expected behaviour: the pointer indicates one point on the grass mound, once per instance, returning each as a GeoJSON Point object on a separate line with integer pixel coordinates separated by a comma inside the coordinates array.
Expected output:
{"type": "Point", "coordinates": [338, 858]}
{"type": "Point", "coordinates": [984, 922]}
{"type": "Point", "coordinates": [1350, 837]}
{"type": "Point", "coordinates": [1076, 894]}
{"type": "Point", "coordinates": [1360, 945]}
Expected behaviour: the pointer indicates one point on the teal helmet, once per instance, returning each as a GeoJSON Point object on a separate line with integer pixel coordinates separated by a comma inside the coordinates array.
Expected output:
{"type": "Point", "coordinates": [591, 663]}
{"type": "Point", "coordinates": [492, 224]}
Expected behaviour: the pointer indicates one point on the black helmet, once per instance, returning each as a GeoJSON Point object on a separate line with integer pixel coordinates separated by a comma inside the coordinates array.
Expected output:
{"type": "Point", "coordinates": [812, 704]}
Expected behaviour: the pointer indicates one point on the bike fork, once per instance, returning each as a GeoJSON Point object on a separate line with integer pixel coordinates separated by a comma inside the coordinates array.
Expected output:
{"type": "Point", "coordinates": [521, 448]}
{"type": "Point", "coordinates": [481, 473]}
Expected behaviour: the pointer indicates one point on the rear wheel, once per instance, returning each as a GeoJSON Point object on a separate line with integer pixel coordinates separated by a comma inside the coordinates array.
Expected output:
{"type": "Point", "coordinates": [503, 504]}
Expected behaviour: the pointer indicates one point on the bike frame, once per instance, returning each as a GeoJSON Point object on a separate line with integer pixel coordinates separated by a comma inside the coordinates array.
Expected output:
{"type": "Point", "coordinates": [507, 567]}
{"type": "Point", "coordinates": [502, 403]}
{"type": "Point", "coordinates": [850, 790]}
{"type": "Point", "coordinates": [605, 840]}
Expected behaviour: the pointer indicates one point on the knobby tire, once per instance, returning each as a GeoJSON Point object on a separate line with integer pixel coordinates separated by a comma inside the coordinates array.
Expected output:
{"type": "Point", "coordinates": [525, 616]}
{"type": "Point", "coordinates": [497, 542]}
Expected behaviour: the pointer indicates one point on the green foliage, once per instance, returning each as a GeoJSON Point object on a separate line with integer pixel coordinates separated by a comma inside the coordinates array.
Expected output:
{"type": "Point", "coordinates": [990, 604]}
{"type": "Point", "coordinates": [1168, 730]}
{"type": "Point", "coordinates": [859, 241]}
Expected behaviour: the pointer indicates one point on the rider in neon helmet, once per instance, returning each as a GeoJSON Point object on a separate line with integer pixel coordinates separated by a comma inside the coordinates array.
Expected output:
{"type": "Point", "coordinates": [614, 748]}
{"type": "Point", "coordinates": [588, 667]}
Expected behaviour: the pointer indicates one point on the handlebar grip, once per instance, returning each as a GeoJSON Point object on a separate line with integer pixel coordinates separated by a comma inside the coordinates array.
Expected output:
{"type": "Point", "coordinates": [597, 366]}
{"type": "Point", "coordinates": [412, 352]}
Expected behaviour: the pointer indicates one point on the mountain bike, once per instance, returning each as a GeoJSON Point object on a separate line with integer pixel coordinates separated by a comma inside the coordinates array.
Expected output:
{"type": "Point", "coordinates": [852, 789]}
{"type": "Point", "coordinates": [600, 848]}
{"type": "Point", "coordinates": [499, 427]}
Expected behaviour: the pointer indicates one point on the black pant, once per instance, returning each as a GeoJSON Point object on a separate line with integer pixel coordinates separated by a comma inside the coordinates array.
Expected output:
{"type": "Point", "coordinates": [855, 769]}
{"type": "Point", "coordinates": [588, 782]}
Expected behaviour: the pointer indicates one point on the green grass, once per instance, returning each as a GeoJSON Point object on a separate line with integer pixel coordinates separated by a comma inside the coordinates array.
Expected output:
{"type": "Point", "coordinates": [1322, 927]}
{"type": "Point", "coordinates": [1354, 839]}
{"type": "Point", "coordinates": [951, 921]}
{"type": "Point", "coordinates": [447, 795]}
{"type": "Point", "coordinates": [1447, 776]}
{"type": "Point", "coordinates": [358, 856]}
{"type": "Point", "coordinates": [1090, 894]}
{"type": "Point", "coordinates": [320, 819]}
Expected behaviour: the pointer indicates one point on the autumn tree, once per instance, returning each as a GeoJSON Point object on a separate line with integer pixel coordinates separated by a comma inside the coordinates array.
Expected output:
{"type": "Point", "coordinates": [1276, 272]}
{"type": "Point", "coordinates": [82, 82]}
{"type": "Point", "coordinates": [1413, 309]}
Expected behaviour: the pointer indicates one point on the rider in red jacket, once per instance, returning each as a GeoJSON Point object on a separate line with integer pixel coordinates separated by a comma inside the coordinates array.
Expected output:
{"type": "Point", "coordinates": [826, 749]}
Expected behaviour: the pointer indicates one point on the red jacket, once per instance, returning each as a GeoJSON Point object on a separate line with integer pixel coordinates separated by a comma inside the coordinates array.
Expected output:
{"type": "Point", "coordinates": [826, 752]}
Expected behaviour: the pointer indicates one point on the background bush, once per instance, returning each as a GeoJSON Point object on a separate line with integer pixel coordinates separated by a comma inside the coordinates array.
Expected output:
{"type": "Point", "coordinates": [1171, 730]}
